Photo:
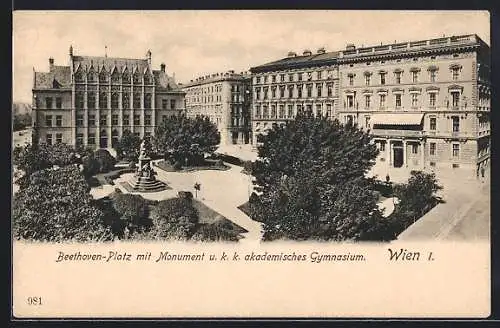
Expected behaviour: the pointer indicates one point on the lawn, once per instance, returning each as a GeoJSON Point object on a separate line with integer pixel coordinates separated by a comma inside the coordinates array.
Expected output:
{"type": "Point", "coordinates": [209, 216]}
{"type": "Point", "coordinates": [210, 165]}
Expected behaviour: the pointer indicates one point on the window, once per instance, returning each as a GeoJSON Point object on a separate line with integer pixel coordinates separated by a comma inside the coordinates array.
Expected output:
{"type": "Point", "coordinates": [367, 101]}
{"type": "Point", "coordinates": [137, 78]}
{"type": "Point", "coordinates": [309, 90]}
{"type": "Point", "coordinates": [290, 111]}
{"type": "Point", "coordinates": [328, 110]}
{"type": "Point", "coordinates": [432, 124]}
{"type": "Point", "coordinates": [456, 150]}
{"type": "Point", "coordinates": [265, 93]}
{"type": "Point", "coordinates": [319, 110]}
{"type": "Point", "coordinates": [382, 100]}
{"type": "Point", "coordinates": [79, 100]}
{"type": "Point", "coordinates": [273, 92]}
{"type": "Point", "coordinates": [274, 78]}
{"type": "Point", "coordinates": [91, 139]}
{"type": "Point", "coordinates": [351, 79]}
{"type": "Point", "coordinates": [319, 88]}
{"type": "Point", "coordinates": [456, 123]}
{"type": "Point", "coordinates": [432, 148]}
{"type": "Point", "coordinates": [318, 74]}
{"type": "Point", "coordinates": [79, 138]}
{"type": "Point", "coordinates": [367, 79]}
{"type": "Point", "coordinates": [126, 119]}
{"type": "Point", "coordinates": [126, 100]}
{"type": "Point", "coordinates": [398, 77]}
{"type": "Point", "coordinates": [114, 100]}
{"type": "Point", "coordinates": [367, 122]}
{"type": "Point", "coordinates": [382, 78]}
{"type": "Point", "coordinates": [414, 76]}
{"type": "Point", "coordinates": [414, 149]}
{"type": "Point", "coordinates": [382, 146]}
{"type": "Point", "coordinates": [299, 109]}
{"type": "Point", "coordinates": [290, 77]}
{"type": "Point", "coordinates": [147, 119]}
{"type": "Point", "coordinates": [414, 99]}
{"type": "Point", "coordinates": [103, 99]}
{"type": "Point", "coordinates": [79, 120]}
{"type": "Point", "coordinates": [329, 89]}
{"type": "Point", "coordinates": [257, 111]}
{"type": "Point", "coordinates": [455, 96]}
{"type": "Point", "coordinates": [137, 119]}
{"type": "Point", "coordinates": [273, 111]}
{"type": "Point", "coordinates": [398, 100]}
{"type": "Point", "coordinates": [103, 77]}
{"type": "Point", "coordinates": [257, 79]}
{"type": "Point", "coordinates": [48, 139]}
{"type": "Point", "coordinates": [265, 112]}
{"type": "Point", "coordinates": [432, 75]}
{"type": "Point", "coordinates": [432, 99]}
{"type": "Point", "coordinates": [282, 77]}
{"type": "Point", "coordinates": [282, 92]}
{"type": "Point", "coordinates": [299, 76]}
{"type": "Point", "coordinates": [350, 101]}
{"type": "Point", "coordinates": [147, 101]}
{"type": "Point", "coordinates": [455, 73]}
{"type": "Point", "coordinates": [59, 120]}
{"type": "Point", "coordinates": [48, 103]}
{"type": "Point", "coordinates": [58, 138]}
{"type": "Point", "coordinates": [282, 111]}
{"type": "Point", "coordinates": [164, 118]}
{"type": "Point", "coordinates": [103, 119]}
{"type": "Point", "coordinates": [48, 120]}
{"type": "Point", "coordinates": [137, 100]}
{"type": "Point", "coordinates": [58, 103]}
{"type": "Point", "coordinates": [91, 120]}
{"type": "Point", "coordinates": [114, 119]}
{"type": "Point", "coordinates": [299, 91]}
{"type": "Point", "coordinates": [290, 91]}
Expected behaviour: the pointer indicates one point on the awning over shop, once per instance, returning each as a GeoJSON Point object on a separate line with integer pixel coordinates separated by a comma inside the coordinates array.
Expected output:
{"type": "Point", "coordinates": [396, 119]}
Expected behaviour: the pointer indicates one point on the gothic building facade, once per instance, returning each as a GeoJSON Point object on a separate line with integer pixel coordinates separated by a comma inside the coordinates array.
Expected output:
{"type": "Point", "coordinates": [94, 100]}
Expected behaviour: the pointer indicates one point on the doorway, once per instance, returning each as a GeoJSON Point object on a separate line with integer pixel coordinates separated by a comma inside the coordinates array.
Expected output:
{"type": "Point", "coordinates": [398, 156]}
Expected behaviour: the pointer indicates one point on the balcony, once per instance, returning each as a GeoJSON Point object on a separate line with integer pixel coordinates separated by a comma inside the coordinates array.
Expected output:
{"type": "Point", "coordinates": [397, 133]}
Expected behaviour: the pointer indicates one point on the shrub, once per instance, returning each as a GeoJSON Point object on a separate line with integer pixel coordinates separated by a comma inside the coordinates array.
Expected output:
{"type": "Point", "coordinates": [185, 195]}
{"type": "Point", "coordinates": [132, 165]}
{"type": "Point", "coordinates": [215, 232]}
{"type": "Point", "coordinates": [105, 160]}
{"type": "Point", "coordinates": [177, 166]}
{"type": "Point", "coordinates": [174, 218]}
{"type": "Point", "coordinates": [133, 210]}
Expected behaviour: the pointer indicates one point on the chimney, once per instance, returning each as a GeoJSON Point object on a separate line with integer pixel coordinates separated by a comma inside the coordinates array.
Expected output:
{"type": "Point", "coordinates": [71, 50]}
{"type": "Point", "coordinates": [162, 67]}
{"type": "Point", "coordinates": [148, 56]}
{"type": "Point", "coordinates": [321, 50]}
{"type": "Point", "coordinates": [292, 54]}
{"type": "Point", "coordinates": [51, 64]}
{"type": "Point", "coordinates": [307, 52]}
{"type": "Point", "coordinates": [350, 46]}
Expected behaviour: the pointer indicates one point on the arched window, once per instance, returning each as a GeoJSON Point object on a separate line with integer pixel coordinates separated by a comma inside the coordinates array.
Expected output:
{"type": "Point", "coordinates": [103, 99]}
{"type": "Point", "coordinates": [91, 78]}
{"type": "Point", "coordinates": [114, 100]}
{"type": "Point", "coordinates": [137, 78]}
{"type": "Point", "coordinates": [148, 79]}
{"type": "Point", "coordinates": [147, 101]}
{"type": "Point", "coordinates": [103, 76]}
{"type": "Point", "coordinates": [115, 77]}
{"type": "Point", "coordinates": [79, 77]}
{"type": "Point", "coordinates": [126, 77]}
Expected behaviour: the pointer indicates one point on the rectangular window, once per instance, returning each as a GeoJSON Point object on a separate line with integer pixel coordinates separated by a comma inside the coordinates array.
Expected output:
{"type": "Point", "coordinates": [432, 75]}
{"type": "Point", "coordinates": [309, 90]}
{"type": "Point", "coordinates": [265, 112]}
{"type": "Point", "coordinates": [455, 96]}
{"type": "Point", "coordinates": [367, 80]}
{"type": "Point", "coordinates": [79, 100]}
{"type": "Point", "coordinates": [282, 92]}
{"type": "Point", "coordinates": [456, 124]}
{"type": "Point", "coordinates": [290, 111]}
{"type": "Point", "coordinates": [319, 110]}
{"type": "Point", "coordinates": [148, 101]}
{"type": "Point", "coordinates": [414, 99]}
{"type": "Point", "coordinates": [382, 78]}
{"type": "Point", "coordinates": [172, 103]}
{"type": "Point", "coordinates": [299, 76]}
{"type": "Point", "coordinates": [414, 76]}
{"type": "Point", "coordinates": [414, 149]}
{"type": "Point", "coordinates": [48, 103]}
{"type": "Point", "coordinates": [273, 111]}
{"type": "Point", "coordinates": [299, 91]}
{"type": "Point", "coordinates": [48, 139]}
{"type": "Point", "coordinates": [58, 103]}
{"type": "Point", "coordinates": [329, 89]}
{"type": "Point", "coordinates": [350, 101]}
{"type": "Point", "coordinates": [137, 120]}
{"type": "Point", "coordinates": [455, 74]}
{"type": "Point", "coordinates": [103, 119]}
{"type": "Point", "coordinates": [79, 120]}
{"type": "Point", "coordinates": [367, 101]}
{"type": "Point", "coordinates": [257, 79]}
{"type": "Point", "coordinates": [456, 150]}
{"type": "Point", "coordinates": [432, 148]}
{"type": "Point", "coordinates": [299, 109]}
{"type": "Point", "coordinates": [265, 93]}
{"type": "Point", "coordinates": [164, 118]}
{"type": "Point", "coordinates": [273, 92]}
{"type": "Point", "coordinates": [282, 77]}
{"type": "Point", "coordinates": [48, 120]}
{"type": "Point", "coordinates": [91, 120]}
{"type": "Point", "coordinates": [290, 77]}
{"type": "Point", "coordinates": [432, 124]}
{"type": "Point", "coordinates": [114, 119]}
{"type": "Point", "coordinates": [58, 138]}
{"type": "Point", "coordinates": [367, 122]}
{"type": "Point", "coordinates": [91, 139]}
{"type": "Point", "coordinates": [114, 100]}
{"type": "Point", "coordinates": [351, 80]}
{"type": "Point", "coordinates": [126, 119]}
{"type": "Point", "coordinates": [103, 100]}
{"type": "Point", "coordinates": [432, 99]}
{"type": "Point", "coordinates": [282, 111]}
{"type": "Point", "coordinates": [164, 103]}
{"type": "Point", "coordinates": [382, 146]}
{"type": "Point", "coordinates": [398, 77]}
{"type": "Point", "coordinates": [328, 110]}
{"type": "Point", "coordinates": [126, 100]}
{"type": "Point", "coordinates": [59, 120]}
{"type": "Point", "coordinates": [319, 89]}
{"type": "Point", "coordinates": [382, 100]}
{"type": "Point", "coordinates": [398, 100]}
{"type": "Point", "coordinates": [137, 100]}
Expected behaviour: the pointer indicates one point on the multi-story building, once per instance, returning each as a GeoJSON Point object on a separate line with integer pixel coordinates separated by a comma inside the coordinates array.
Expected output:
{"type": "Point", "coordinates": [306, 84]}
{"type": "Point", "coordinates": [225, 99]}
{"type": "Point", "coordinates": [427, 103]}
{"type": "Point", "coordinates": [93, 100]}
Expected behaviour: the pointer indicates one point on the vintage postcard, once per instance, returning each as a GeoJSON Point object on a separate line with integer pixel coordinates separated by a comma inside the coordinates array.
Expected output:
{"type": "Point", "coordinates": [251, 164]}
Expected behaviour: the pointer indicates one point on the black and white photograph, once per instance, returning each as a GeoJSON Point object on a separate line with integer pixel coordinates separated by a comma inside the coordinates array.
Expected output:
{"type": "Point", "coordinates": [245, 128]}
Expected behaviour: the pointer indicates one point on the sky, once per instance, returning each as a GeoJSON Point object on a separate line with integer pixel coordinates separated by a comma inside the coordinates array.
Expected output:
{"type": "Point", "coordinates": [193, 43]}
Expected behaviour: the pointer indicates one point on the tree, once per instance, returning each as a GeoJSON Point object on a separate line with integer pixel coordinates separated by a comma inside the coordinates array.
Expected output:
{"type": "Point", "coordinates": [57, 206]}
{"type": "Point", "coordinates": [128, 146]}
{"type": "Point", "coordinates": [311, 176]}
{"type": "Point", "coordinates": [133, 210]}
{"type": "Point", "coordinates": [185, 140]}
{"type": "Point", "coordinates": [105, 160]}
{"type": "Point", "coordinates": [174, 218]}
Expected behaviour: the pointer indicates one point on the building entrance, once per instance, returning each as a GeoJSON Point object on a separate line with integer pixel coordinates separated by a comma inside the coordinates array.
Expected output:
{"type": "Point", "coordinates": [398, 156]}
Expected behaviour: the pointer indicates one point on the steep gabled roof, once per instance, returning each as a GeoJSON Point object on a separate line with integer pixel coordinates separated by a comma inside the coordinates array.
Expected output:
{"type": "Point", "coordinates": [58, 77]}
{"type": "Point", "coordinates": [164, 82]}
{"type": "Point", "coordinates": [109, 62]}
